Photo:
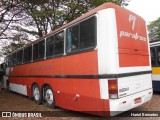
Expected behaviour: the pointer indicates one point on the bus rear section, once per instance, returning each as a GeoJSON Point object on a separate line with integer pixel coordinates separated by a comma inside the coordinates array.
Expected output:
{"type": "Point", "coordinates": [123, 56]}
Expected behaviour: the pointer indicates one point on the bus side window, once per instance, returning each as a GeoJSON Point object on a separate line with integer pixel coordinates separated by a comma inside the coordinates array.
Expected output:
{"type": "Point", "coordinates": [88, 33]}
{"type": "Point", "coordinates": [38, 50]}
{"type": "Point", "coordinates": [59, 43]}
{"type": "Point", "coordinates": [158, 55]}
{"type": "Point", "coordinates": [35, 51]}
{"type": "Point", "coordinates": [6, 62]}
{"type": "Point", "coordinates": [41, 48]}
{"type": "Point", "coordinates": [82, 36]}
{"type": "Point", "coordinates": [15, 59]}
{"type": "Point", "coordinates": [153, 57]}
{"type": "Point", "coordinates": [19, 57]}
{"type": "Point", "coordinates": [11, 60]}
{"type": "Point", "coordinates": [27, 54]}
{"type": "Point", "coordinates": [50, 46]}
{"type": "Point", "coordinates": [72, 38]}
{"type": "Point", "coordinates": [69, 42]}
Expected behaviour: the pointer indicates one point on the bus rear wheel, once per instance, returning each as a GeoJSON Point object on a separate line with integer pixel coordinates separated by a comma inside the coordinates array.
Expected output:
{"type": "Point", "coordinates": [49, 97]}
{"type": "Point", "coordinates": [37, 94]}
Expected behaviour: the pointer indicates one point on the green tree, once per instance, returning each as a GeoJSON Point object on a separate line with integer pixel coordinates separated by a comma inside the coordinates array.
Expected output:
{"type": "Point", "coordinates": [10, 13]}
{"type": "Point", "coordinates": [154, 30]}
{"type": "Point", "coordinates": [35, 18]}
{"type": "Point", "coordinates": [48, 15]}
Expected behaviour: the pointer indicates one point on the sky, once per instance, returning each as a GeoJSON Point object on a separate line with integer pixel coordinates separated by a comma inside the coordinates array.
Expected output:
{"type": "Point", "coordinates": [147, 9]}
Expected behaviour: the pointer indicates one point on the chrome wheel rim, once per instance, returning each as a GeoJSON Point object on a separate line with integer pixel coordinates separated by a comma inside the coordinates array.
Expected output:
{"type": "Point", "coordinates": [49, 96]}
{"type": "Point", "coordinates": [36, 93]}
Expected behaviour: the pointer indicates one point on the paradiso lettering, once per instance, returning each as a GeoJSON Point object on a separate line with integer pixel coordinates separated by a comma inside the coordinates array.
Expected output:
{"type": "Point", "coordinates": [132, 35]}
{"type": "Point", "coordinates": [132, 19]}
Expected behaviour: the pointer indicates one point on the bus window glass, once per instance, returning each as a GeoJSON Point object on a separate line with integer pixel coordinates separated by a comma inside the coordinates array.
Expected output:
{"type": "Point", "coordinates": [14, 58]}
{"type": "Point", "coordinates": [158, 55]}
{"type": "Point", "coordinates": [35, 51]}
{"type": "Point", "coordinates": [19, 57]}
{"type": "Point", "coordinates": [88, 33]}
{"type": "Point", "coordinates": [27, 54]}
{"type": "Point", "coordinates": [6, 62]}
{"type": "Point", "coordinates": [11, 60]}
{"type": "Point", "coordinates": [59, 43]}
{"type": "Point", "coordinates": [30, 53]}
{"type": "Point", "coordinates": [153, 58]}
{"type": "Point", "coordinates": [72, 38]}
{"type": "Point", "coordinates": [38, 50]}
{"type": "Point", "coordinates": [41, 48]}
{"type": "Point", "coordinates": [49, 46]}
{"type": "Point", "coordinates": [82, 36]}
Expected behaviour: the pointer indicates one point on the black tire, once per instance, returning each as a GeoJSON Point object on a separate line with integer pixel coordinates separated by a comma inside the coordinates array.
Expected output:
{"type": "Point", "coordinates": [49, 97]}
{"type": "Point", "coordinates": [37, 94]}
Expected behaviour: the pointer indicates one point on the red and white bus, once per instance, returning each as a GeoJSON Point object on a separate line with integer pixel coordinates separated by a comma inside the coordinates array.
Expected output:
{"type": "Point", "coordinates": [99, 63]}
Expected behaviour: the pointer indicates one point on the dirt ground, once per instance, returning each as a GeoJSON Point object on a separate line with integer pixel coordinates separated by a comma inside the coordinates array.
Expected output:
{"type": "Point", "coordinates": [11, 101]}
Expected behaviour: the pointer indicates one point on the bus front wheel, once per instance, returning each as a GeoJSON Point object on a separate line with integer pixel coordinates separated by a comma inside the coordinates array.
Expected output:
{"type": "Point", "coordinates": [49, 97]}
{"type": "Point", "coordinates": [37, 94]}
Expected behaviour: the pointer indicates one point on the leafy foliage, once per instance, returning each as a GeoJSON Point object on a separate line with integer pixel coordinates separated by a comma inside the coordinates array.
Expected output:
{"type": "Point", "coordinates": [154, 30]}
{"type": "Point", "coordinates": [24, 20]}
